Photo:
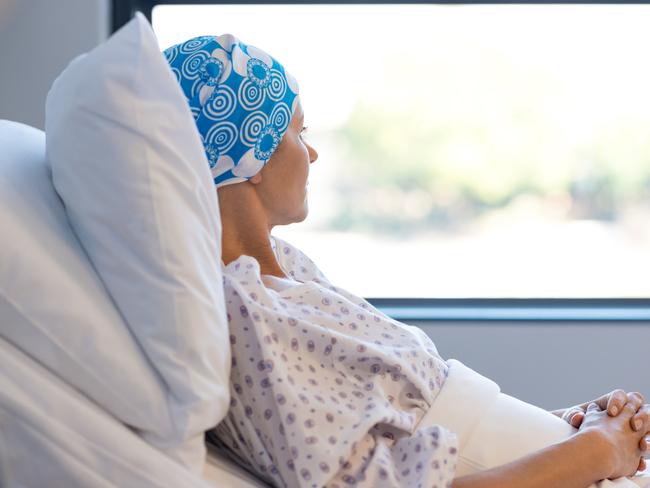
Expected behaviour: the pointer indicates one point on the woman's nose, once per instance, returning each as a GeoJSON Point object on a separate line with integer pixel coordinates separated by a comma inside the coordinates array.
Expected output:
{"type": "Point", "coordinates": [313, 155]}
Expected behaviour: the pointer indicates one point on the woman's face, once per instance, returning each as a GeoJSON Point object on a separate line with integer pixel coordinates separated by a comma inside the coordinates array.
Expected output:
{"type": "Point", "coordinates": [282, 183]}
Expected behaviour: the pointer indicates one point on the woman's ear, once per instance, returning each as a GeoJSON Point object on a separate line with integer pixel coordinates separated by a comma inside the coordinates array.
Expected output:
{"type": "Point", "coordinates": [256, 179]}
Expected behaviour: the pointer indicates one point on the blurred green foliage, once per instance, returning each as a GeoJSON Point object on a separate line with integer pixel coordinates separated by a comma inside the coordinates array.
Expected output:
{"type": "Point", "coordinates": [438, 141]}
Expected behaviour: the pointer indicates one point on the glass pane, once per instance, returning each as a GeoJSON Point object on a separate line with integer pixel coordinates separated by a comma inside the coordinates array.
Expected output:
{"type": "Point", "coordinates": [465, 150]}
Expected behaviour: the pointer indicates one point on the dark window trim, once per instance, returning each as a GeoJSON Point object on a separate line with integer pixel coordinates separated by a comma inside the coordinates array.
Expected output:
{"type": "Point", "coordinates": [123, 10]}
{"type": "Point", "coordinates": [461, 309]}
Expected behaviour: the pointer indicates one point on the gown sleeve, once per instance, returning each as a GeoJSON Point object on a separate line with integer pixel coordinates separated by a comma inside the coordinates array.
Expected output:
{"type": "Point", "coordinates": [425, 459]}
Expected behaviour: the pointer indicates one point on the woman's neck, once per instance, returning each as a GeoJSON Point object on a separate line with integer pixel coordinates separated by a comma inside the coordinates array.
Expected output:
{"type": "Point", "coordinates": [245, 229]}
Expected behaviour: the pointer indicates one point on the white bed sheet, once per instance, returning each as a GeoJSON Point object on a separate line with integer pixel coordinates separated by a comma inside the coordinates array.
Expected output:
{"type": "Point", "coordinates": [223, 473]}
{"type": "Point", "coordinates": [58, 437]}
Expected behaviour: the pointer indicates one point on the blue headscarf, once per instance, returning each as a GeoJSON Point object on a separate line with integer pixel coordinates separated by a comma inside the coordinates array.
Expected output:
{"type": "Point", "coordinates": [241, 99]}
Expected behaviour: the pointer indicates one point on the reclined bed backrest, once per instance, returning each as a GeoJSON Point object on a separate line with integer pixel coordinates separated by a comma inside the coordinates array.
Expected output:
{"type": "Point", "coordinates": [53, 306]}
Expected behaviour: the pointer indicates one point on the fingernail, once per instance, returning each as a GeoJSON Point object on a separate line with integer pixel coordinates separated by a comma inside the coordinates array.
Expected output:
{"type": "Point", "coordinates": [614, 410]}
{"type": "Point", "coordinates": [637, 424]}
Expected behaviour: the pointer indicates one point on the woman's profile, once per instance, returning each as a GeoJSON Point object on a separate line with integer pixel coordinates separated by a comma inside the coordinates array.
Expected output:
{"type": "Point", "coordinates": [326, 390]}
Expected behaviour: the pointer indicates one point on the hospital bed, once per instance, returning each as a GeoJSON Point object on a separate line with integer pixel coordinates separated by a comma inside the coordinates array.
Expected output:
{"type": "Point", "coordinates": [82, 403]}
{"type": "Point", "coordinates": [51, 433]}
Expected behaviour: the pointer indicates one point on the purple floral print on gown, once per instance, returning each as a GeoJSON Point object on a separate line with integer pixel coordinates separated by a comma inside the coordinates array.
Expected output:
{"type": "Point", "coordinates": [325, 389]}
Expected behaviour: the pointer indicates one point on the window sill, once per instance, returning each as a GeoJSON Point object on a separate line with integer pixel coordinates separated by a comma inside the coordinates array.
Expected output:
{"type": "Point", "coordinates": [539, 310]}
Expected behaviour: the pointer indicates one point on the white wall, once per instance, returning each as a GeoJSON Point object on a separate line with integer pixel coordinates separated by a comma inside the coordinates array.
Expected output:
{"type": "Point", "coordinates": [38, 38]}
{"type": "Point", "coordinates": [552, 364]}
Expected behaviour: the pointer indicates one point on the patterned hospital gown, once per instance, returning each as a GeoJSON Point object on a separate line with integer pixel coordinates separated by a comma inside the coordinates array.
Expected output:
{"type": "Point", "coordinates": [327, 390]}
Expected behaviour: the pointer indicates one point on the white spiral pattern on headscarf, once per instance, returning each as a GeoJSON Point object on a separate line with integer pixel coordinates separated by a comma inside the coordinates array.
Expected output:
{"type": "Point", "coordinates": [250, 95]}
{"type": "Point", "coordinates": [242, 106]}
{"type": "Point", "coordinates": [194, 44]}
{"type": "Point", "coordinates": [196, 86]}
{"type": "Point", "coordinates": [252, 126]}
{"type": "Point", "coordinates": [277, 86]}
{"type": "Point", "coordinates": [223, 135]}
{"type": "Point", "coordinates": [171, 53]}
{"type": "Point", "coordinates": [222, 104]}
{"type": "Point", "coordinates": [191, 65]}
{"type": "Point", "coordinates": [177, 74]}
{"type": "Point", "coordinates": [280, 117]}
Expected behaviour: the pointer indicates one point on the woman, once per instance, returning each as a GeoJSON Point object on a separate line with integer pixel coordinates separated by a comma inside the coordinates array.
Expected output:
{"type": "Point", "coordinates": [326, 390]}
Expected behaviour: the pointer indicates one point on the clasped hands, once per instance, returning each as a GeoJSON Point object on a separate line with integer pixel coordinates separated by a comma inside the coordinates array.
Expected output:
{"type": "Point", "coordinates": [614, 403]}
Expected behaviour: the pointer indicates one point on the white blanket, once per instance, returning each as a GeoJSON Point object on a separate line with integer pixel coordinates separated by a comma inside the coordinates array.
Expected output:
{"type": "Point", "coordinates": [55, 436]}
{"type": "Point", "coordinates": [494, 428]}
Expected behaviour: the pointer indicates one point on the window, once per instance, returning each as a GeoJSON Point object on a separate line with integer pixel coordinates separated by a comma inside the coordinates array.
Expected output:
{"type": "Point", "coordinates": [483, 151]}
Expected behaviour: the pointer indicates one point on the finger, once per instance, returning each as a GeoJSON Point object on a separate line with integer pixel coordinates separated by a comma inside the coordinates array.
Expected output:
{"type": "Point", "coordinates": [569, 412]}
{"type": "Point", "coordinates": [644, 445]}
{"type": "Point", "coordinates": [641, 418]}
{"type": "Point", "coordinates": [577, 418]}
{"type": "Point", "coordinates": [593, 407]}
{"type": "Point", "coordinates": [602, 401]}
{"type": "Point", "coordinates": [635, 399]}
{"type": "Point", "coordinates": [616, 400]}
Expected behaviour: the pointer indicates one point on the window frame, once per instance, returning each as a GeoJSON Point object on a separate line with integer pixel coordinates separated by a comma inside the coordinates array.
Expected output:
{"type": "Point", "coordinates": [479, 310]}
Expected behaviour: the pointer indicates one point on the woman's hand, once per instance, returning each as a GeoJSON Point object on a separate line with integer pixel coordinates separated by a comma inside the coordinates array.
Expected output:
{"type": "Point", "coordinates": [620, 444]}
{"type": "Point", "coordinates": [613, 403]}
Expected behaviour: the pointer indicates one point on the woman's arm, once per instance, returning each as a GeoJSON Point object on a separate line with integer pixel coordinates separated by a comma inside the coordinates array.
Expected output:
{"type": "Point", "coordinates": [576, 462]}
{"type": "Point", "coordinates": [604, 447]}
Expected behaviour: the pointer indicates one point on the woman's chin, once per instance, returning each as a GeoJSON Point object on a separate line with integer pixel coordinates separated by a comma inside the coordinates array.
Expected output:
{"type": "Point", "coordinates": [303, 215]}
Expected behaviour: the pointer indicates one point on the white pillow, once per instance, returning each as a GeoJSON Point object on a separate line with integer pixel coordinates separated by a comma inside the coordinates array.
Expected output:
{"type": "Point", "coordinates": [128, 162]}
{"type": "Point", "coordinates": [53, 306]}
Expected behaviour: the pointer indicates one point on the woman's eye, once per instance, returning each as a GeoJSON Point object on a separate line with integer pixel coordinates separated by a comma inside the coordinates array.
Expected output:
{"type": "Point", "coordinates": [302, 131]}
